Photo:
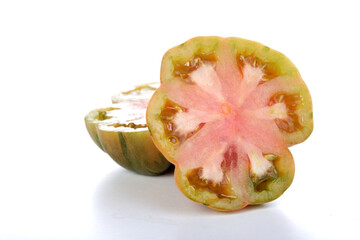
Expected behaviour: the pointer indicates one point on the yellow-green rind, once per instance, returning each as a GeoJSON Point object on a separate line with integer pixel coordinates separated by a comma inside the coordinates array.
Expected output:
{"type": "Point", "coordinates": [184, 52]}
{"type": "Point", "coordinates": [270, 57]}
{"type": "Point", "coordinates": [91, 123]}
{"type": "Point", "coordinates": [157, 129]}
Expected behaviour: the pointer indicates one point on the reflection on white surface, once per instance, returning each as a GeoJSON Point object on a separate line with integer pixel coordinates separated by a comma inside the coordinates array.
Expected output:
{"type": "Point", "coordinates": [138, 207]}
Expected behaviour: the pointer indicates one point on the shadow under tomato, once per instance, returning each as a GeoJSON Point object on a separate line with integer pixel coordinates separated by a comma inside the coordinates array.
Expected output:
{"type": "Point", "coordinates": [125, 201]}
{"type": "Point", "coordinates": [123, 190]}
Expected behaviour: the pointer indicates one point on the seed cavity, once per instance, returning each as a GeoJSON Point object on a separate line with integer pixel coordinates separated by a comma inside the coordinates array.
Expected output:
{"type": "Point", "coordinates": [262, 167]}
{"type": "Point", "coordinates": [183, 69]}
{"type": "Point", "coordinates": [128, 125]}
{"type": "Point", "coordinates": [293, 102]}
{"type": "Point", "coordinates": [269, 71]}
{"type": "Point", "coordinates": [222, 189]}
{"type": "Point", "coordinates": [173, 139]}
{"type": "Point", "coordinates": [168, 118]}
{"type": "Point", "coordinates": [169, 126]}
{"type": "Point", "coordinates": [103, 113]}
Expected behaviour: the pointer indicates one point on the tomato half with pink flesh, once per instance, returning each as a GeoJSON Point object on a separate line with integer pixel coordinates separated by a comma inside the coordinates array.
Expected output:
{"type": "Point", "coordinates": [121, 131]}
{"type": "Point", "coordinates": [225, 114]}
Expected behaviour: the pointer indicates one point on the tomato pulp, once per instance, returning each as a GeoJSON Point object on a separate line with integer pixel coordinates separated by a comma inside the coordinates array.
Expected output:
{"type": "Point", "coordinates": [225, 114]}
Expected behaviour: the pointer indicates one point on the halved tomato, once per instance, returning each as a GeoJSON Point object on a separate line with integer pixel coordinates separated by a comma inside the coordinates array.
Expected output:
{"type": "Point", "coordinates": [121, 131]}
{"type": "Point", "coordinates": [225, 114]}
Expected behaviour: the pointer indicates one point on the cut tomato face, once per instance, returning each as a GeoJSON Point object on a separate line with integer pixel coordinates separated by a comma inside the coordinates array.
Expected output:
{"type": "Point", "coordinates": [225, 114]}
{"type": "Point", "coordinates": [121, 131]}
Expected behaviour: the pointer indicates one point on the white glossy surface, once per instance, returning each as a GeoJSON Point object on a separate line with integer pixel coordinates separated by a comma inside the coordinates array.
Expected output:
{"type": "Point", "coordinates": [61, 59]}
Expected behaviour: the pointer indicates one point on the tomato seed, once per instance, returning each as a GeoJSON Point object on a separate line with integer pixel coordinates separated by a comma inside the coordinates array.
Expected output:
{"type": "Point", "coordinates": [173, 139]}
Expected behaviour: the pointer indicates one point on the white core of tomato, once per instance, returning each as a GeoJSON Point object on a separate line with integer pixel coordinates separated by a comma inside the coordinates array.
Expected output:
{"type": "Point", "coordinates": [208, 80]}
{"type": "Point", "coordinates": [278, 110]}
{"type": "Point", "coordinates": [189, 121]}
{"type": "Point", "coordinates": [259, 165]}
{"type": "Point", "coordinates": [251, 78]}
{"type": "Point", "coordinates": [252, 74]}
{"type": "Point", "coordinates": [186, 122]}
{"type": "Point", "coordinates": [212, 168]}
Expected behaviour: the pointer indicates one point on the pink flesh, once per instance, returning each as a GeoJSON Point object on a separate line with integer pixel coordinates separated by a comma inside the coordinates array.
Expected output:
{"type": "Point", "coordinates": [128, 108]}
{"type": "Point", "coordinates": [239, 128]}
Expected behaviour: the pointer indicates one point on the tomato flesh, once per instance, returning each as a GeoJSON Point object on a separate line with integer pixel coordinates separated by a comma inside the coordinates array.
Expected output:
{"type": "Point", "coordinates": [224, 117]}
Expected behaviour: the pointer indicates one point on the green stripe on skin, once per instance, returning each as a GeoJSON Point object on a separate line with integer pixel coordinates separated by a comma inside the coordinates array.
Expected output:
{"type": "Point", "coordinates": [134, 151]}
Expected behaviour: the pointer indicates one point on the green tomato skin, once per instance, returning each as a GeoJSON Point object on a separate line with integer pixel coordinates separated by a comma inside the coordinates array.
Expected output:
{"type": "Point", "coordinates": [134, 151]}
{"type": "Point", "coordinates": [93, 132]}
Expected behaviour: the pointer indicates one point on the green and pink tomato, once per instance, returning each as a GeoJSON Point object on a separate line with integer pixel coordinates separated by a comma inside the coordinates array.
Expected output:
{"type": "Point", "coordinates": [225, 114]}
{"type": "Point", "coordinates": [121, 131]}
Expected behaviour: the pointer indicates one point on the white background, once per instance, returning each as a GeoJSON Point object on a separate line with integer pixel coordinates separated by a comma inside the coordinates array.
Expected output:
{"type": "Point", "coordinates": [61, 59]}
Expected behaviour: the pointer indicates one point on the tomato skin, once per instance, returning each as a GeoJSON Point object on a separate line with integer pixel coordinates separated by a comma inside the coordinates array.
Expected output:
{"type": "Point", "coordinates": [133, 150]}
{"type": "Point", "coordinates": [120, 130]}
{"type": "Point", "coordinates": [273, 175]}
{"type": "Point", "coordinates": [91, 127]}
